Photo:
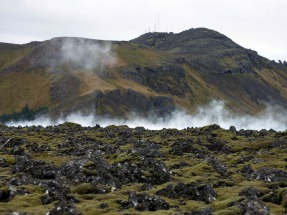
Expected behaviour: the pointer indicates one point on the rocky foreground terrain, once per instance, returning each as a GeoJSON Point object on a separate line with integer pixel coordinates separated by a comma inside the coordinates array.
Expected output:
{"type": "Point", "coordinates": [69, 169]}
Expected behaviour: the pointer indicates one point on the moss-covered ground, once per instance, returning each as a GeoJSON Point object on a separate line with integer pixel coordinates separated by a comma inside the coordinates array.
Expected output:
{"type": "Point", "coordinates": [229, 161]}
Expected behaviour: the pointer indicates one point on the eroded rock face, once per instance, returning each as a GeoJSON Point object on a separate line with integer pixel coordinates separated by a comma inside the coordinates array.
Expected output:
{"type": "Point", "coordinates": [172, 79]}
{"type": "Point", "coordinates": [117, 103]}
{"type": "Point", "coordinates": [137, 103]}
{"type": "Point", "coordinates": [61, 90]}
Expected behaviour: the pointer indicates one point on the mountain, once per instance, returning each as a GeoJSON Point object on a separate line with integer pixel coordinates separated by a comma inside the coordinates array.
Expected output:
{"type": "Point", "coordinates": [155, 73]}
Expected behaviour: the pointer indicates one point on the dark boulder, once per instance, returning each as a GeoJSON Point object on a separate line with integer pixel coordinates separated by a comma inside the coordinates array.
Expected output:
{"type": "Point", "coordinates": [16, 150]}
{"type": "Point", "coordinates": [3, 163]}
{"type": "Point", "coordinates": [191, 191]}
{"type": "Point", "coordinates": [181, 147]}
{"type": "Point", "coordinates": [11, 142]}
{"type": "Point", "coordinates": [73, 171]}
{"type": "Point", "coordinates": [269, 175]}
{"type": "Point", "coordinates": [279, 143]}
{"type": "Point", "coordinates": [34, 147]}
{"type": "Point", "coordinates": [144, 202]}
{"type": "Point", "coordinates": [168, 192]}
{"type": "Point", "coordinates": [21, 162]}
{"type": "Point", "coordinates": [251, 192]}
{"type": "Point", "coordinates": [232, 128]}
{"type": "Point", "coordinates": [203, 211]}
{"type": "Point", "coordinates": [55, 191]}
{"type": "Point", "coordinates": [104, 205]}
{"type": "Point", "coordinates": [4, 195]}
{"type": "Point", "coordinates": [148, 149]}
{"type": "Point", "coordinates": [147, 186]}
{"type": "Point", "coordinates": [217, 145]}
{"type": "Point", "coordinates": [247, 171]}
{"type": "Point", "coordinates": [64, 208]}
{"type": "Point", "coordinates": [246, 133]}
{"type": "Point", "coordinates": [218, 166]}
{"type": "Point", "coordinates": [253, 207]}
{"type": "Point", "coordinates": [246, 158]}
{"type": "Point", "coordinates": [158, 172]}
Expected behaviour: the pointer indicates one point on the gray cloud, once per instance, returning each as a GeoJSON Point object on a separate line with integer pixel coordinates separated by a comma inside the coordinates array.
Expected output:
{"type": "Point", "coordinates": [87, 54]}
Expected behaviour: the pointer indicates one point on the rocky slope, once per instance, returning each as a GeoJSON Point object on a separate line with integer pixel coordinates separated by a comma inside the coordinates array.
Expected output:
{"type": "Point", "coordinates": [157, 72]}
{"type": "Point", "coordinates": [69, 169]}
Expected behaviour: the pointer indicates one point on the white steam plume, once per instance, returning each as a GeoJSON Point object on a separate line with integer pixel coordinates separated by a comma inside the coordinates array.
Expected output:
{"type": "Point", "coordinates": [213, 113]}
{"type": "Point", "coordinates": [87, 54]}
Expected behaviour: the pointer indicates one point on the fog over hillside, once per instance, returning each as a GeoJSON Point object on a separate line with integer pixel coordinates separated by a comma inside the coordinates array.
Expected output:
{"type": "Point", "coordinates": [213, 113]}
{"type": "Point", "coordinates": [86, 54]}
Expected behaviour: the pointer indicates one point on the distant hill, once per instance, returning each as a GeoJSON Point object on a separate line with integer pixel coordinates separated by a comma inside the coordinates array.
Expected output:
{"type": "Point", "coordinates": [154, 73]}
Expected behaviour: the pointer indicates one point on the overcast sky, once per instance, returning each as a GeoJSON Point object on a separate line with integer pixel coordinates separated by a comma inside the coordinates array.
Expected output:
{"type": "Point", "coordinates": [256, 24]}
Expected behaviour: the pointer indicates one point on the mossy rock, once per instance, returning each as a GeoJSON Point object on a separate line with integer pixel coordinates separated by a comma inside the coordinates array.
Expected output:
{"type": "Point", "coordinates": [278, 197]}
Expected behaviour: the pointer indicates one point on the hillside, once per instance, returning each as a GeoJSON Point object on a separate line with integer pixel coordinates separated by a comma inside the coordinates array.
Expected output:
{"type": "Point", "coordinates": [154, 73]}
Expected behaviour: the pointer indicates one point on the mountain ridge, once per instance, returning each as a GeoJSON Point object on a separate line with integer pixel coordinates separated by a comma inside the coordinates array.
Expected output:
{"type": "Point", "coordinates": [188, 69]}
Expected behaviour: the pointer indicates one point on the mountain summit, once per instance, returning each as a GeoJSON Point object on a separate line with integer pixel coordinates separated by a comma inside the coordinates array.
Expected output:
{"type": "Point", "coordinates": [154, 73]}
{"type": "Point", "coordinates": [194, 41]}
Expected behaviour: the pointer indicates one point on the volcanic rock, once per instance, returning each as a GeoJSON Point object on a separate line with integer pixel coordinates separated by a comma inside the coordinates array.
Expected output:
{"type": "Point", "coordinates": [144, 202]}
{"type": "Point", "coordinates": [190, 191]}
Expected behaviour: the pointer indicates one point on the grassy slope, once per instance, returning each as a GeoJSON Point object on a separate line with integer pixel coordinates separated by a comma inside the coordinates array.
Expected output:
{"type": "Point", "coordinates": [10, 53]}
{"type": "Point", "coordinates": [275, 78]}
{"type": "Point", "coordinates": [134, 54]}
{"type": "Point", "coordinates": [20, 88]}
{"type": "Point", "coordinates": [33, 87]}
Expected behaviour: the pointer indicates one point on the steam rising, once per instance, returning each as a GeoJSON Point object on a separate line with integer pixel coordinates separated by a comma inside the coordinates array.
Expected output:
{"type": "Point", "coordinates": [213, 113]}
{"type": "Point", "coordinates": [87, 54]}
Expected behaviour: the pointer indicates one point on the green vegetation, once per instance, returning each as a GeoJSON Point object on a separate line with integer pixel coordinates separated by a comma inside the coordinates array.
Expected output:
{"type": "Point", "coordinates": [20, 88]}
{"type": "Point", "coordinates": [10, 53]}
{"type": "Point", "coordinates": [26, 114]}
{"type": "Point", "coordinates": [103, 166]}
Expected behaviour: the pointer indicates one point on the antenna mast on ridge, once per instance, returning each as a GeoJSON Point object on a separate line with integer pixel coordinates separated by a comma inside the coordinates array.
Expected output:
{"type": "Point", "coordinates": [158, 21]}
